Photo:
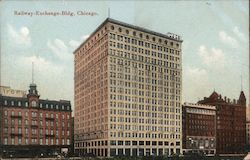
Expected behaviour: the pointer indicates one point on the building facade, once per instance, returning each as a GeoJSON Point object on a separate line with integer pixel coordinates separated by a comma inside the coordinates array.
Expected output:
{"type": "Point", "coordinates": [128, 84]}
{"type": "Point", "coordinates": [31, 126]}
{"type": "Point", "coordinates": [230, 123]}
{"type": "Point", "coordinates": [248, 134]}
{"type": "Point", "coordinates": [199, 129]}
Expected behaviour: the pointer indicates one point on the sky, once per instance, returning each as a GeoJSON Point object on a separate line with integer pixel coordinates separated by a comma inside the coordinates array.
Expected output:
{"type": "Point", "coordinates": [215, 42]}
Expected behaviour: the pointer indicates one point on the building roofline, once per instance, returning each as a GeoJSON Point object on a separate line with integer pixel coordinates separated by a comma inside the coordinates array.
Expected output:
{"type": "Point", "coordinates": [41, 100]}
{"type": "Point", "coordinates": [196, 105]}
{"type": "Point", "coordinates": [125, 25]}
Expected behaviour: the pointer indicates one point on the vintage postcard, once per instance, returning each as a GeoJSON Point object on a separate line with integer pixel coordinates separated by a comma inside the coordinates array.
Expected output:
{"type": "Point", "coordinates": [134, 79]}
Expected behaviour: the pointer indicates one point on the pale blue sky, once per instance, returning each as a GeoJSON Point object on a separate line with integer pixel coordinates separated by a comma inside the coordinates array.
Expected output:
{"type": "Point", "coordinates": [215, 46]}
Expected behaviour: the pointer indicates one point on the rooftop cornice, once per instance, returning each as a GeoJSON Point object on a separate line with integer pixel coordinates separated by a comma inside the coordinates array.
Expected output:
{"type": "Point", "coordinates": [126, 25]}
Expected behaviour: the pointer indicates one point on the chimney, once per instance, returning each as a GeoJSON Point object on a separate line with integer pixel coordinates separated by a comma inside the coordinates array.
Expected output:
{"type": "Point", "coordinates": [228, 100]}
{"type": "Point", "coordinates": [234, 101]}
{"type": "Point", "coordinates": [225, 98]}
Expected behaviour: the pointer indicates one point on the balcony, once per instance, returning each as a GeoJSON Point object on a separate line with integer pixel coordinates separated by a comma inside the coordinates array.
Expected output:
{"type": "Point", "coordinates": [49, 118]}
{"type": "Point", "coordinates": [34, 126]}
{"type": "Point", "coordinates": [49, 135]}
{"type": "Point", "coordinates": [16, 134]}
{"type": "Point", "coordinates": [16, 116]}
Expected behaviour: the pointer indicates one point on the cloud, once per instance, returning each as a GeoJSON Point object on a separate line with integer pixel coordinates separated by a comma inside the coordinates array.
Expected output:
{"type": "Point", "coordinates": [40, 64]}
{"type": "Point", "coordinates": [196, 72]}
{"type": "Point", "coordinates": [225, 38]}
{"type": "Point", "coordinates": [60, 49]}
{"type": "Point", "coordinates": [21, 37]}
{"type": "Point", "coordinates": [63, 50]}
{"type": "Point", "coordinates": [196, 84]}
{"type": "Point", "coordinates": [46, 75]}
{"type": "Point", "coordinates": [239, 34]}
{"type": "Point", "coordinates": [213, 58]}
{"type": "Point", "coordinates": [74, 43]}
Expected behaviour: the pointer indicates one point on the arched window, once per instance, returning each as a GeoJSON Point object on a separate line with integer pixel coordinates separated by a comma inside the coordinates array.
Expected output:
{"type": "Point", "coordinates": [33, 103]}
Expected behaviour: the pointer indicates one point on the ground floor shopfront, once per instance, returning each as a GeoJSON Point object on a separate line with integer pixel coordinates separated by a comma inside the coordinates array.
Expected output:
{"type": "Point", "coordinates": [12, 151]}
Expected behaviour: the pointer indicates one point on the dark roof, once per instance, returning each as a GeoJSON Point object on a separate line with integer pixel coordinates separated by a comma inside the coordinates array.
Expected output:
{"type": "Point", "coordinates": [242, 96]}
{"type": "Point", "coordinates": [214, 95]}
{"type": "Point", "coordinates": [129, 26]}
{"type": "Point", "coordinates": [62, 105]}
{"type": "Point", "coordinates": [216, 98]}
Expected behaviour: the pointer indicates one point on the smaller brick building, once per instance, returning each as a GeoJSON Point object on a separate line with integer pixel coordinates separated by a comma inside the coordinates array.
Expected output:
{"type": "Point", "coordinates": [32, 127]}
{"type": "Point", "coordinates": [199, 128]}
{"type": "Point", "coordinates": [230, 123]}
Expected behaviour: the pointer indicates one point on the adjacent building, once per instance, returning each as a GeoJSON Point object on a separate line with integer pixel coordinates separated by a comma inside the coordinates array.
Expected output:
{"type": "Point", "coordinates": [128, 84]}
{"type": "Point", "coordinates": [199, 129]}
{"type": "Point", "coordinates": [31, 126]}
{"type": "Point", "coordinates": [248, 127]}
{"type": "Point", "coordinates": [248, 134]}
{"type": "Point", "coordinates": [230, 123]}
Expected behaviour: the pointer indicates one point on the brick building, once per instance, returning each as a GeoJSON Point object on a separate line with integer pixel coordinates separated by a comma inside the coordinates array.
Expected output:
{"type": "Point", "coordinates": [31, 126]}
{"type": "Point", "coordinates": [230, 122]}
{"type": "Point", "coordinates": [128, 84]}
{"type": "Point", "coordinates": [199, 128]}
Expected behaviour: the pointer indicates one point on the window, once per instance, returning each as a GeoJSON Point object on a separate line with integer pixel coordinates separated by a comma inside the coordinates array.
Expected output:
{"type": "Point", "coordinates": [19, 122]}
{"type": "Point", "coordinates": [12, 141]}
{"type": "Point", "coordinates": [112, 143]}
{"type": "Point", "coordinates": [6, 113]}
{"type": "Point", "coordinates": [63, 142]}
{"type": "Point", "coordinates": [33, 103]}
{"type": "Point", "coordinates": [134, 33]}
{"type": "Point", "coordinates": [5, 141]}
{"type": "Point", "coordinates": [41, 141]}
{"type": "Point", "coordinates": [19, 140]}
{"type": "Point", "coordinates": [140, 35]}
